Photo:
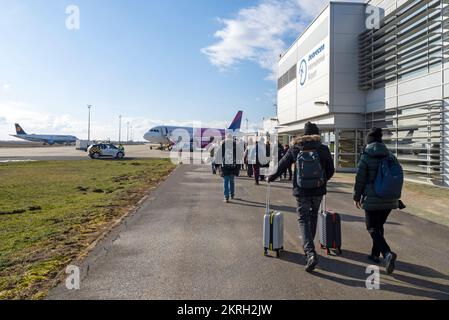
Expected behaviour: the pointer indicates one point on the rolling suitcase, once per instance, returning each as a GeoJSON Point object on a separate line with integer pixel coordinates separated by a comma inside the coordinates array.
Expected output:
{"type": "Point", "coordinates": [329, 226]}
{"type": "Point", "coordinates": [273, 229]}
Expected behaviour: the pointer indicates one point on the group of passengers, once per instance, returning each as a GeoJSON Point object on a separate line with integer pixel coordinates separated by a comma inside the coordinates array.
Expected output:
{"type": "Point", "coordinates": [258, 154]}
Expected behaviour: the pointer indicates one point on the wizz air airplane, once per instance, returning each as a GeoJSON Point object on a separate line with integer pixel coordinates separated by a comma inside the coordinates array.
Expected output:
{"type": "Point", "coordinates": [169, 135]}
{"type": "Point", "coordinates": [45, 138]}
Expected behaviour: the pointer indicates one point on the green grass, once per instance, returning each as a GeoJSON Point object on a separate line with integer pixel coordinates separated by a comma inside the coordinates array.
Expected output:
{"type": "Point", "coordinates": [51, 211]}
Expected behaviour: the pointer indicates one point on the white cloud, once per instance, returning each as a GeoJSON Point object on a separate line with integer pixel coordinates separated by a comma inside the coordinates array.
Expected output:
{"type": "Point", "coordinates": [258, 33]}
{"type": "Point", "coordinates": [35, 122]}
{"type": "Point", "coordinates": [6, 86]}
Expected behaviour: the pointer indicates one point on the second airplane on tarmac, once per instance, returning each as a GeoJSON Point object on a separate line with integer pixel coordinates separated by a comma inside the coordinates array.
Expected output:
{"type": "Point", "coordinates": [200, 137]}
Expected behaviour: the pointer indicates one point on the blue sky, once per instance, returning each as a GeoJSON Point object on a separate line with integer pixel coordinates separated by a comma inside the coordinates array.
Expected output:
{"type": "Point", "coordinates": [153, 62]}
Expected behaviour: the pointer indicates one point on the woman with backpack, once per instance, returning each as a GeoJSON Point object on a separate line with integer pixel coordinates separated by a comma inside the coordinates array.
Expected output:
{"type": "Point", "coordinates": [366, 196]}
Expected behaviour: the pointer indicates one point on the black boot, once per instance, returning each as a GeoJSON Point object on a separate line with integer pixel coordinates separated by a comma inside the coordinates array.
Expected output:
{"type": "Point", "coordinates": [311, 263]}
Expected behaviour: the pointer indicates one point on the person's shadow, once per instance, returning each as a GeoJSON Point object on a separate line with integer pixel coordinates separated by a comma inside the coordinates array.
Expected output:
{"type": "Point", "coordinates": [353, 275]}
{"type": "Point", "coordinates": [256, 204]}
{"type": "Point", "coordinates": [350, 218]}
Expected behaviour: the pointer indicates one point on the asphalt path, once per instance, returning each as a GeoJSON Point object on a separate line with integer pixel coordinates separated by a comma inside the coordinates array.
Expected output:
{"type": "Point", "coordinates": [185, 243]}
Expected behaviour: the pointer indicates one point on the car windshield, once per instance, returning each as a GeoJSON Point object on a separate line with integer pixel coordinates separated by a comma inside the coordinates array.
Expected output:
{"type": "Point", "coordinates": [112, 147]}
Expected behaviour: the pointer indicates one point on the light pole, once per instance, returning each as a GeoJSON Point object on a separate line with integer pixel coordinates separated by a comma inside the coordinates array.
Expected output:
{"type": "Point", "coordinates": [88, 123]}
{"type": "Point", "coordinates": [246, 140]}
{"type": "Point", "coordinates": [127, 131]}
{"type": "Point", "coordinates": [119, 129]}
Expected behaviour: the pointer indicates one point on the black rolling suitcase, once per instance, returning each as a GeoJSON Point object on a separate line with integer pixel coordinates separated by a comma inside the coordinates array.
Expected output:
{"type": "Point", "coordinates": [329, 226]}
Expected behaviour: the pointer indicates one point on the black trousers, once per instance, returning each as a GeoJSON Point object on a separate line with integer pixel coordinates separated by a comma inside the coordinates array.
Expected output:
{"type": "Point", "coordinates": [290, 173]}
{"type": "Point", "coordinates": [375, 221]}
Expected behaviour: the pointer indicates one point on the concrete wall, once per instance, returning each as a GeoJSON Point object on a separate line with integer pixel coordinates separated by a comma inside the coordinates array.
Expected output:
{"type": "Point", "coordinates": [346, 22]}
{"type": "Point", "coordinates": [332, 75]}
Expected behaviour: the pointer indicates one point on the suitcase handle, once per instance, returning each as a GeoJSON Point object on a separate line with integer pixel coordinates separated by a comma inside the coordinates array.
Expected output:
{"type": "Point", "coordinates": [323, 204]}
{"type": "Point", "coordinates": [267, 207]}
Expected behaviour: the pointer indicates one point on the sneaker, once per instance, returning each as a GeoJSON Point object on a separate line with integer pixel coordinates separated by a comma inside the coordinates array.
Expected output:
{"type": "Point", "coordinates": [226, 200]}
{"type": "Point", "coordinates": [374, 259]}
{"type": "Point", "coordinates": [312, 261]}
{"type": "Point", "coordinates": [390, 262]}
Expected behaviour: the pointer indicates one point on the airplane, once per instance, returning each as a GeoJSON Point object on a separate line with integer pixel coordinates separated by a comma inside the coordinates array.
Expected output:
{"type": "Point", "coordinates": [46, 139]}
{"type": "Point", "coordinates": [162, 135]}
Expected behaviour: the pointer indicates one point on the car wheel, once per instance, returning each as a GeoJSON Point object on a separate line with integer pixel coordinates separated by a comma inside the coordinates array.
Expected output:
{"type": "Point", "coordinates": [96, 155]}
{"type": "Point", "coordinates": [120, 155]}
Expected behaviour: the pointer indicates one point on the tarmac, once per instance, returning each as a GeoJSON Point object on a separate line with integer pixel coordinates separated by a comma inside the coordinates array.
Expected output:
{"type": "Point", "coordinates": [70, 153]}
{"type": "Point", "coordinates": [185, 243]}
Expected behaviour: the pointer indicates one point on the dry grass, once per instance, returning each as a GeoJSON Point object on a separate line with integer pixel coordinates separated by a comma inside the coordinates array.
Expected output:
{"type": "Point", "coordinates": [50, 211]}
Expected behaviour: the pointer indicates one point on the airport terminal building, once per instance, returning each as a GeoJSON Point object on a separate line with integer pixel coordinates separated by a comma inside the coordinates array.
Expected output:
{"type": "Point", "coordinates": [349, 78]}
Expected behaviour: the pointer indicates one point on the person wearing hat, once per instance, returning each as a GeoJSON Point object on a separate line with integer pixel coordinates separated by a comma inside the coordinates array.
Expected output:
{"type": "Point", "coordinates": [376, 209]}
{"type": "Point", "coordinates": [309, 199]}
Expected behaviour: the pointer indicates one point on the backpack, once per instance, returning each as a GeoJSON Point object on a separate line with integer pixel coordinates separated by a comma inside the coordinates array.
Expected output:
{"type": "Point", "coordinates": [310, 173]}
{"type": "Point", "coordinates": [389, 179]}
{"type": "Point", "coordinates": [229, 157]}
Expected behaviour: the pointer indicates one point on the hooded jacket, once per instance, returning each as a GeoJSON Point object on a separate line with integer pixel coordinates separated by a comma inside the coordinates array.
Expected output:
{"type": "Point", "coordinates": [366, 175]}
{"type": "Point", "coordinates": [308, 142]}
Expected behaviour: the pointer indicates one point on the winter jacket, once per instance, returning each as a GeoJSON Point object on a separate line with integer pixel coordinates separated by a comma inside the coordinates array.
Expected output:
{"type": "Point", "coordinates": [312, 142]}
{"type": "Point", "coordinates": [366, 176]}
{"type": "Point", "coordinates": [227, 161]}
{"type": "Point", "coordinates": [256, 154]}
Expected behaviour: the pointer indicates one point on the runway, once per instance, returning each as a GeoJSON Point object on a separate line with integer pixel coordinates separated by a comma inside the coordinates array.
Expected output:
{"type": "Point", "coordinates": [70, 153]}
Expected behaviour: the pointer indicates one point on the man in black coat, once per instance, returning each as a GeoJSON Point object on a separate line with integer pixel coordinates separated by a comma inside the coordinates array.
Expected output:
{"type": "Point", "coordinates": [308, 200]}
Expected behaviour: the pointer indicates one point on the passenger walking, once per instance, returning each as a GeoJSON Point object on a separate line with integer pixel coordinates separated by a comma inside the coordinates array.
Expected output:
{"type": "Point", "coordinates": [228, 162]}
{"type": "Point", "coordinates": [249, 165]}
{"type": "Point", "coordinates": [259, 157]}
{"type": "Point", "coordinates": [212, 148]}
{"type": "Point", "coordinates": [281, 153]}
{"type": "Point", "coordinates": [254, 159]}
{"type": "Point", "coordinates": [289, 168]}
{"type": "Point", "coordinates": [265, 148]}
{"type": "Point", "coordinates": [376, 209]}
{"type": "Point", "coordinates": [308, 192]}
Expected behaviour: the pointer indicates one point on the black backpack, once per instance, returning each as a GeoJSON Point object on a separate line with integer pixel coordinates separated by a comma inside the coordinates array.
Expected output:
{"type": "Point", "coordinates": [310, 173]}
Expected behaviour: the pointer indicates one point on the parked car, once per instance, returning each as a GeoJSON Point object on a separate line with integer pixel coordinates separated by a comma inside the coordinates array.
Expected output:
{"type": "Point", "coordinates": [105, 150]}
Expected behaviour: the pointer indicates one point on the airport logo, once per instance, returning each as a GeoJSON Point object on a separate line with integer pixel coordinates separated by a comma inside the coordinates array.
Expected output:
{"type": "Point", "coordinates": [308, 66]}
{"type": "Point", "coordinates": [314, 54]}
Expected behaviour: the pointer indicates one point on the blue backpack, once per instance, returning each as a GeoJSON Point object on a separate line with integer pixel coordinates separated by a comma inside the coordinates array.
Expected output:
{"type": "Point", "coordinates": [389, 179]}
{"type": "Point", "coordinates": [310, 173]}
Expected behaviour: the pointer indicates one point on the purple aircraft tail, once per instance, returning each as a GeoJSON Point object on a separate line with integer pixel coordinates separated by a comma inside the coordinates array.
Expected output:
{"type": "Point", "coordinates": [237, 122]}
